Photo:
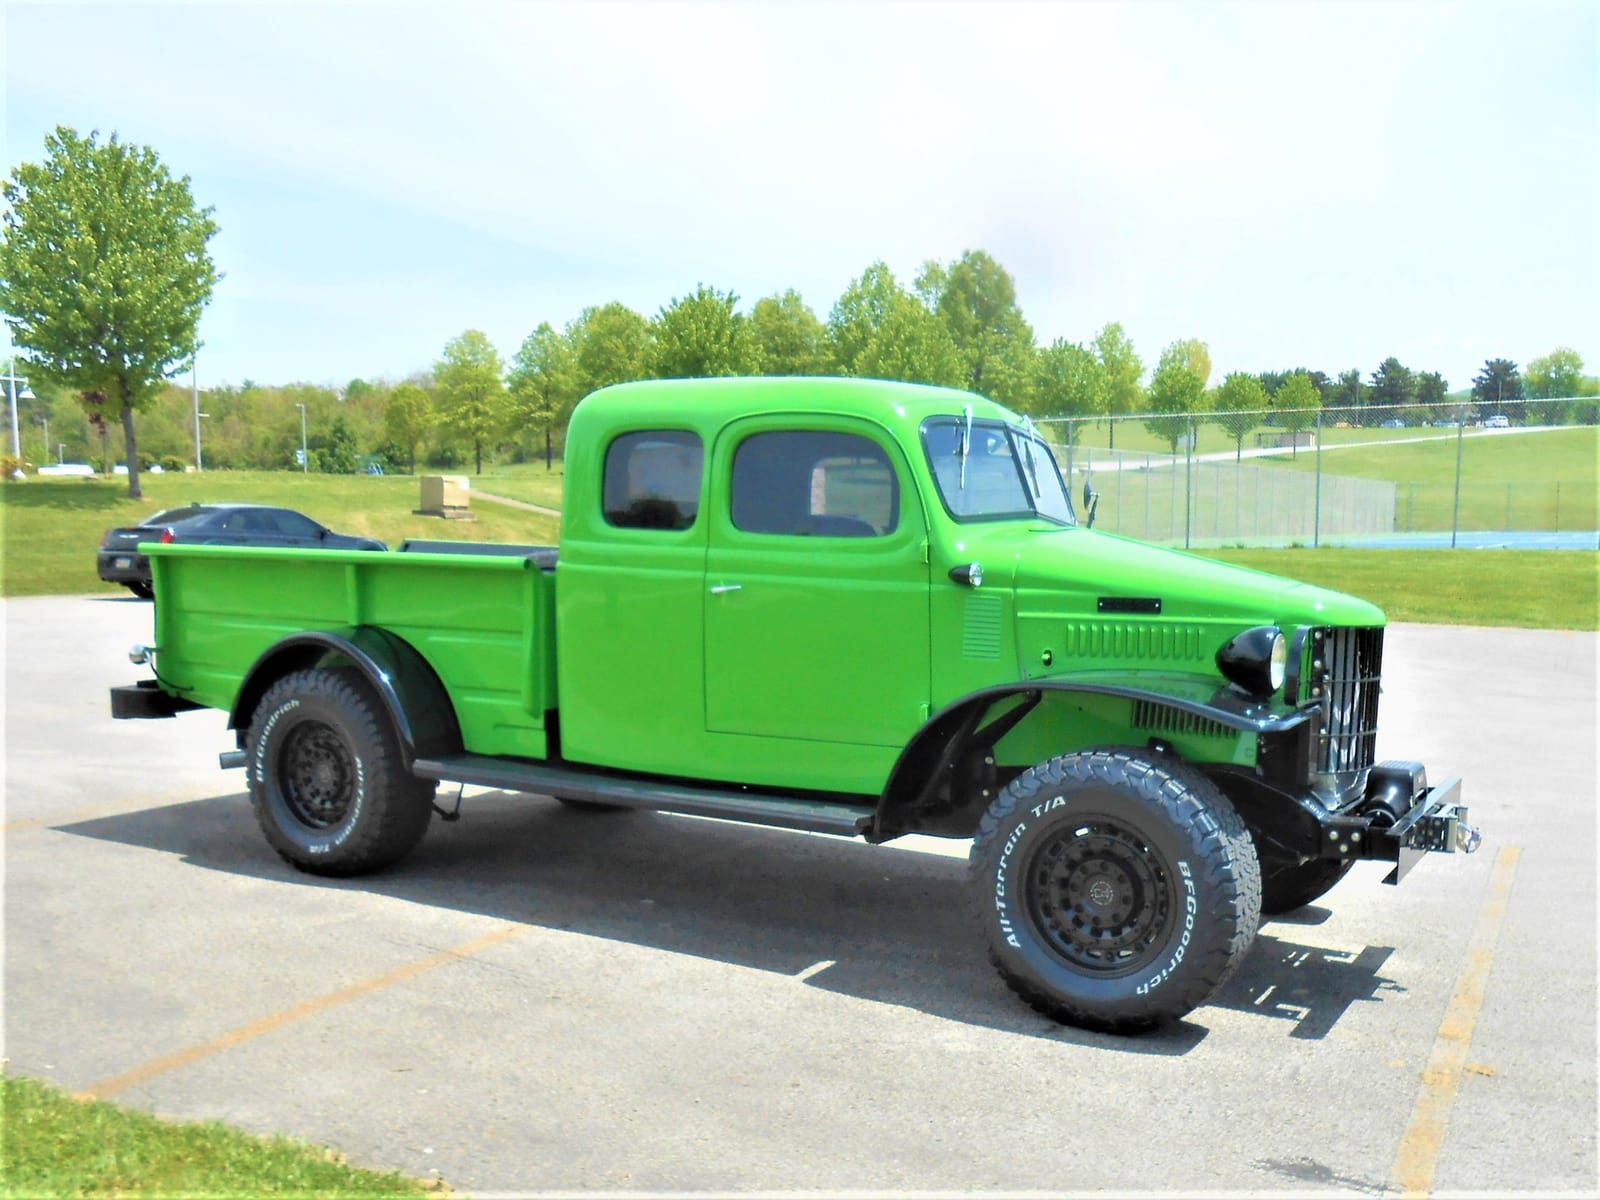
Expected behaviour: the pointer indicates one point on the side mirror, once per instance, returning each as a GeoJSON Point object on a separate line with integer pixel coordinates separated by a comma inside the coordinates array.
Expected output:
{"type": "Point", "coordinates": [1091, 503]}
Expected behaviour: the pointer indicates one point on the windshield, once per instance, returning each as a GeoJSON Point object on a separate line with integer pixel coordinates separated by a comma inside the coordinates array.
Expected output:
{"type": "Point", "coordinates": [988, 471]}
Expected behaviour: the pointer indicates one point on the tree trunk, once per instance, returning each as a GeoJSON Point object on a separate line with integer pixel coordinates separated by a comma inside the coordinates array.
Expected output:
{"type": "Point", "coordinates": [547, 449]}
{"type": "Point", "coordinates": [133, 450]}
{"type": "Point", "coordinates": [477, 446]}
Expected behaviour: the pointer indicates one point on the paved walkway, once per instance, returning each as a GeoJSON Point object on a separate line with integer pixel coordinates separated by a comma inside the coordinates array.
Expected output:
{"type": "Point", "coordinates": [522, 504]}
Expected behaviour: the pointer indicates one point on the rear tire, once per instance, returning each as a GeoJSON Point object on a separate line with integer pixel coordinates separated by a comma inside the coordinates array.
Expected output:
{"type": "Point", "coordinates": [1117, 892]}
{"type": "Point", "coordinates": [327, 777]}
{"type": "Point", "coordinates": [142, 590]}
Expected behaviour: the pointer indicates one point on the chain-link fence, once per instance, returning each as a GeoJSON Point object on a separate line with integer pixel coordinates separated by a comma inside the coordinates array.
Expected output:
{"type": "Point", "coordinates": [1310, 476]}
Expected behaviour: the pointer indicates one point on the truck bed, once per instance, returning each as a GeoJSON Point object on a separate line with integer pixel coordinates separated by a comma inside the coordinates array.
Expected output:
{"type": "Point", "coordinates": [482, 617]}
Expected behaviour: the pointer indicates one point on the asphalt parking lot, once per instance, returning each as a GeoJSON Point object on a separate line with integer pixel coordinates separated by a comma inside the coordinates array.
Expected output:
{"type": "Point", "coordinates": [545, 1000]}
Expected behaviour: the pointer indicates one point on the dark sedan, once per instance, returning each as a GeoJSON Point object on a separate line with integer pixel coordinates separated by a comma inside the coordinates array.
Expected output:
{"type": "Point", "coordinates": [214, 525]}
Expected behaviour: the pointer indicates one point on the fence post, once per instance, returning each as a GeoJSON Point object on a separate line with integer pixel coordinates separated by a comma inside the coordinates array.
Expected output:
{"type": "Point", "coordinates": [1316, 509]}
{"type": "Point", "coordinates": [1455, 512]}
{"type": "Point", "coordinates": [1188, 482]}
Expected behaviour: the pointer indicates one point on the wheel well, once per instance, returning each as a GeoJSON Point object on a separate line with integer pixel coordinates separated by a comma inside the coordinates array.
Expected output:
{"type": "Point", "coordinates": [408, 688]}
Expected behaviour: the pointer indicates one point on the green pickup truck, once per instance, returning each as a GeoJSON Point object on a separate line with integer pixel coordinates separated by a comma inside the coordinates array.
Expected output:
{"type": "Point", "coordinates": [843, 606]}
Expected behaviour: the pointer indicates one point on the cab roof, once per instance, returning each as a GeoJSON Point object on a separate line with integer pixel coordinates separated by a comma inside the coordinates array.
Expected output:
{"type": "Point", "coordinates": [706, 405]}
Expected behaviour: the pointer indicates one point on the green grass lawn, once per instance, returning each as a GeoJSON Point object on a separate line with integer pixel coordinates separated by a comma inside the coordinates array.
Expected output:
{"type": "Point", "coordinates": [57, 1146]}
{"type": "Point", "coordinates": [1533, 480]}
{"type": "Point", "coordinates": [528, 482]}
{"type": "Point", "coordinates": [52, 527]}
{"type": "Point", "coordinates": [1532, 589]}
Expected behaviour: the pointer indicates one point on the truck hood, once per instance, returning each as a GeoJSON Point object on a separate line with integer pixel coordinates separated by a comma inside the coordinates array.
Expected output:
{"type": "Point", "coordinates": [1078, 572]}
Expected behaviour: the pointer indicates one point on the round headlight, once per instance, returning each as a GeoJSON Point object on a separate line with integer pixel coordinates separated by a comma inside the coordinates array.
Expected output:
{"type": "Point", "coordinates": [1256, 660]}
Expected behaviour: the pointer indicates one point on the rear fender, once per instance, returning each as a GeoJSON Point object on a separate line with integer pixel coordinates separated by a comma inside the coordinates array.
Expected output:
{"type": "Point", "coordinates": [416, 700]}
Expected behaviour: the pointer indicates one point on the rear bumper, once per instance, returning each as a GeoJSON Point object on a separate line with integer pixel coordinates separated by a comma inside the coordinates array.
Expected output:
{"type": "Point", "coordinates": [145, 700]}
{"type": "Point", "coordinates": [123, 566]}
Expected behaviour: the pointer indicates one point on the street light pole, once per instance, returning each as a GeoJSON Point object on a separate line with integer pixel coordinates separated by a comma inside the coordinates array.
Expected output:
{"type": "Point", "coordinates": [305, 459]}
{"type": "Point", "coordinates": [12, 379]}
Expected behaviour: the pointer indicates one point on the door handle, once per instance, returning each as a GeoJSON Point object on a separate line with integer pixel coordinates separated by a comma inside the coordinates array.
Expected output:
{"type": "Point", "coordinates": [722, 589]}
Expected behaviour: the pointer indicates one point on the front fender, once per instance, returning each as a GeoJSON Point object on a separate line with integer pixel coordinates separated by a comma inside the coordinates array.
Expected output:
{"type": "Point", "coordinates": [416, 700]}
{"type": "Point", "coordinates": [948, 772]}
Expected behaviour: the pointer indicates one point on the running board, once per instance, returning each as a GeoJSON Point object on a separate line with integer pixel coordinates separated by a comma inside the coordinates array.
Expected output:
{"type": "Point", "coordinates": [754, 808]}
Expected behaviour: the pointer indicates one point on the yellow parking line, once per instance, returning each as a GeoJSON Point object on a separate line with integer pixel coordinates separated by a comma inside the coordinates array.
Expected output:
{"type": "Point", "coordinates": [1418, 1156]}
{"type": "Point", "coordinates": [245, 1033]}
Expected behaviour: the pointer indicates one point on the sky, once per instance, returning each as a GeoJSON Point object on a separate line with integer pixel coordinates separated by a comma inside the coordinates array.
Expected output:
{"type": "Point", "coordinates": [1294, 183]}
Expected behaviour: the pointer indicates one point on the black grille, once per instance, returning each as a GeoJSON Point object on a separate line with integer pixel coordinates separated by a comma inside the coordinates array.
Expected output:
{"type": "Point", "coordinates": [1347, 667]}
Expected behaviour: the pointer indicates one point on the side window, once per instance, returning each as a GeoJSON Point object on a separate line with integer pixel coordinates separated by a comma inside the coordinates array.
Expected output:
{"type": "Point", "coordinates": [813, 484]}
{"type": "Point", "coordinates": [652, 480]}
{"type": "Point", "coordinates": [292, 523]}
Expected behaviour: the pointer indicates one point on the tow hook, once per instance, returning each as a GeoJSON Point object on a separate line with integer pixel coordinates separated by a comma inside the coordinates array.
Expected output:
{"type": "Point", "coordinates": [1468, 839]}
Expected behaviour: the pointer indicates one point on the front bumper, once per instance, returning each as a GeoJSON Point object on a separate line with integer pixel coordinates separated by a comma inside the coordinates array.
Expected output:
{"type": "Point", "coordinates": [1401, 819]}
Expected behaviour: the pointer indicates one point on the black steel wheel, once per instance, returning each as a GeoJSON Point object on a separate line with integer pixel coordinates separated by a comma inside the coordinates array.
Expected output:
{"type": "Point", "coordinates": [1117, 891]}
{"type": "Point", "coordinates": [1100, 896]}
{"type": "Point", "coordinates": [327, 777]}
{"type": "Point", "coordinates": [318, 775]}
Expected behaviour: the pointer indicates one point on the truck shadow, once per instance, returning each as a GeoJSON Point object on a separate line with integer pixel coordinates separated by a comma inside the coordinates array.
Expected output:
{"type": "Point", "coordinates": [887, 924]}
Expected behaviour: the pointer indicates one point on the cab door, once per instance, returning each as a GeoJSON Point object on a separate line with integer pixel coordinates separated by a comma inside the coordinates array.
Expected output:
{"type": "Point", "coordinates": [816, 616]}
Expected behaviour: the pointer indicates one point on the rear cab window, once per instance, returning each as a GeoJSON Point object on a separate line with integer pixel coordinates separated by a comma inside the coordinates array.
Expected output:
{"type": "Point", "coordinates": [652, 480]}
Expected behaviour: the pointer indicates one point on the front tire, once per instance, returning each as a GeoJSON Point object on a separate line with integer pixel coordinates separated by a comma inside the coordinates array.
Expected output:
{"type": "Point", "coordinates": [327, 777]}
{"type": "Point", "coordinates": [1116, 892]}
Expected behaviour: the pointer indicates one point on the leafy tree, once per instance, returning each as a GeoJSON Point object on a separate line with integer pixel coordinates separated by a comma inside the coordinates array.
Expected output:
{"type": "Point", "coordinates": [1177, 391]}
{"type": "Point", "coordinates": [1120, 370]}
{"type": "Point", "coordinates": [338, 453]}
{"type": "Point", "coordinates": [1556, 375]}
{"type": "Point", "coordinates": [472, 396]}
{"type": "Point", "coordinates": [1498, 387]}
{"type": "Point", "coordinates": [104, 270]}
{"type": "Point", "coordinates": [700, 336]}
{"type": "Point", "coordinates": [407, 418]}
{"type": "Point", "coordinates": [976, 299]}
{"type": "Point", "coordinates": [1067, 381]}
{"type": "Point", "coordinates": [544, 383]}
{"type": "Point", "coordinates": [1431, 389]}
{"type": "Point", "coordinates": [1349, 393]}
{"type": "Point", "coordinates": [1297, 403]}
{"type": "Point", "coordinates": [1240, 405]}
{"type": "Point", "coordinates": [1194, 354]}
{"type": "Point", "coordinates": [1393, 387]}
{"type": "Point", "coordinates": [858, 314]}
{"type": "Point", "coordinates": [611, 343]}
{"type": "Point", "coordinates": [792, 339]}
{"type": "Point", "coordinates": [912, 344]}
